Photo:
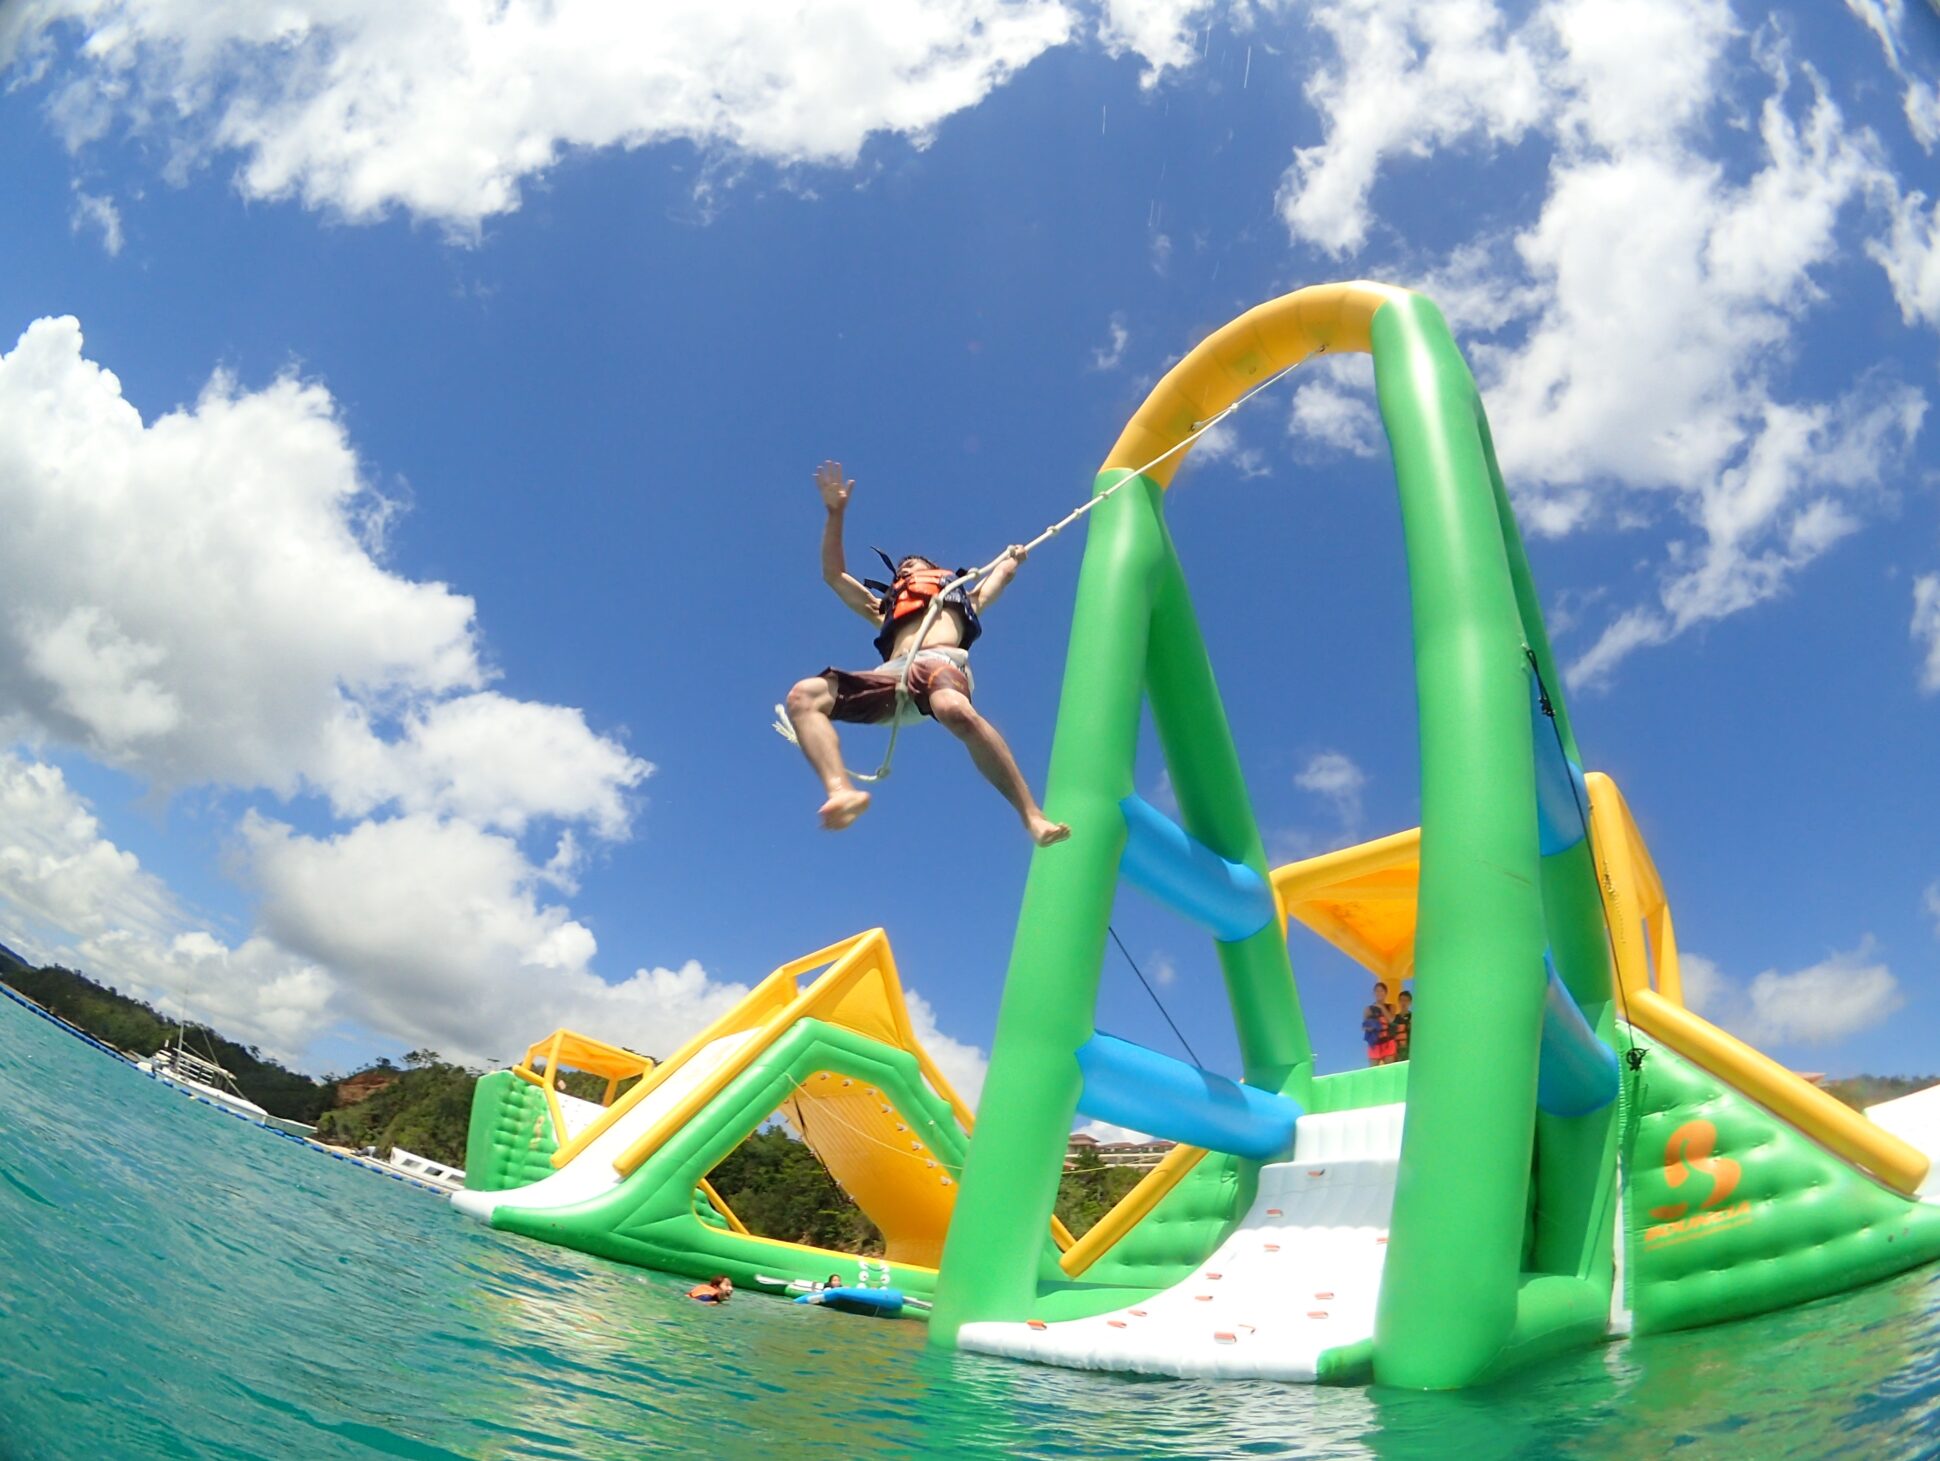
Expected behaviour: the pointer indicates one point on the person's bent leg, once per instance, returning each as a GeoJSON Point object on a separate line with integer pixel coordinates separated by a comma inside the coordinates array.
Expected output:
{"type": "Point", "coordinates": [953, 710]}
{"type": "Point", "coordinates": [809, 706]}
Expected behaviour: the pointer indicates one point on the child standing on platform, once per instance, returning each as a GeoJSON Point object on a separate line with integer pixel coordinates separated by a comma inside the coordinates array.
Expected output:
{"type": "Point", "coordinates": [1374, 1030]}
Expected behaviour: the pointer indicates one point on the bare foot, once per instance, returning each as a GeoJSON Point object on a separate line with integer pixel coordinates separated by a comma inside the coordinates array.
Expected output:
{"type": "Point", "coordinates": [843, 807]}
{"type": "Point", "coordinates": [1044, 831]}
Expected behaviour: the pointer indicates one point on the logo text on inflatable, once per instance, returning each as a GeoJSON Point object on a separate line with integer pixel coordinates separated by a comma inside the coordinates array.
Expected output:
{"type": "Point", "coordinates": [1688, 1155]}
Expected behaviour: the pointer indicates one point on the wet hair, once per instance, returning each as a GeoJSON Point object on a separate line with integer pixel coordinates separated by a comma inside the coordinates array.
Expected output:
{"type": "Point", "coordinates": [908, 558]}
{"type": "Point", "coordinates": [834, 1281]}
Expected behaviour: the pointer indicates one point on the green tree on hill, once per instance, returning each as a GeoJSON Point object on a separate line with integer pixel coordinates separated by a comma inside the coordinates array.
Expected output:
{"type": "Point", "coordinates": [1861, 1091]}
{"type": "Point", "coordinates": [427, 1110]}
{"type": "Point", "coordinates": [780, 1189]}
{"type": "Point", "coordinates": [1090, 1189]}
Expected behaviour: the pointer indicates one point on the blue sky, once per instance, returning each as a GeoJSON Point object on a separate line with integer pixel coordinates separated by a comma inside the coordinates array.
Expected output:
{"type": "Point", "coordinates": [407, 419]}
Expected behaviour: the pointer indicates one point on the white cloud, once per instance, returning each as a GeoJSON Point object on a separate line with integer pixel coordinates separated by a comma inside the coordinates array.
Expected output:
{"type": "Point", "coordinates": [1706, 986]}
{"type": "Point", "coordinates": [72, 896]}
{"type": "Point", "coordinates": [414, 932]}
{"type": "Point", "coordinates": [449, 108]}
{"type": "Point", "coordinates": [964, 1066]}
{"type": "Point", "coordinates": [1770, 516]}
{"type": "Point", "coordinates": [1162, 33]}
{"type": "Point", "coordinates": [1337, 780]}
{"type": "Point", "coordinates": [1926, 629]}
{"type": "Point", "coordinates": [57, 872]}
{"type": "Point", "coordinates": [1334, 777]}
{"type": "Point", "coordinates": [1633, 339]}
{"type": "Point", "coordinates": [1840, 996]}
{"type": "Point", "coordinates": [1910, 255]}
{"type": "Point", "coordinates": [195, 600]}
{"type": "Point", "coordinates": [1415, 75]}
{"type": "Point", "coordinates": [100, 214]}
{"type": "Point", "coordinates": [1886, 19]}
{"type": "Point", "coordinates": [490, 760]}
{"type": "Point", "coordinates": [1108, 355]}
{"type": "Point", "coordinates": [439, 934]}
{"type": "Point", "coordinates": [1221, 443]}
{"type": "Point", "coordinates": [1335, 408]}
{"type": "Point", "coordinates": [255, 992]}
{"type": "Point", "coordinates": [1105, 1132]}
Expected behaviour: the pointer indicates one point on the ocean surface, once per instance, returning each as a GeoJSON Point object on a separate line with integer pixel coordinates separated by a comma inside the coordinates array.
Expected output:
{"type": "Point", "coordinates": [177, 1283]}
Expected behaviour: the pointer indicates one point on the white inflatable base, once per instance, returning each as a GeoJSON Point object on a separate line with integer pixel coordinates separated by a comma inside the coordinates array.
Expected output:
{"type": "Point", "coordinates": [1301, 1275]}
{"type": "Point", "coordinates": [1915, 1120]}
{"type": "Point", "coordinates": [592, 1172]}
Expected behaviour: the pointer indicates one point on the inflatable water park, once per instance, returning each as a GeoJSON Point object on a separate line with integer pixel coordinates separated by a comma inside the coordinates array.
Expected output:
{"type": "Point", "coordinates": [1568, 1155]}
{"type": "Point", "coordinates": [626, 1177]}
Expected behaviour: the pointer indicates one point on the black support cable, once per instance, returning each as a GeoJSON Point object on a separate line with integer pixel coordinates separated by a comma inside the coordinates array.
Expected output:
{"type": "Point", "coordinates": [1154, 993]}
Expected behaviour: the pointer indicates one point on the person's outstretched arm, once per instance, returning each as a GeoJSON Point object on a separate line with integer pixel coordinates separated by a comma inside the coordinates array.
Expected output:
{"type": "Point", "coordinates": [835, 490]}
{"type": "Point", "coordinates": [986, 592]}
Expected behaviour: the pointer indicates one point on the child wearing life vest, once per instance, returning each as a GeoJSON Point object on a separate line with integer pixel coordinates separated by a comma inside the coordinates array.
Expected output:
{"type": "Point", "coordinates": [1381, 1048]}
{"type": "Point", "coordinates": [1374, 1031]}
{"type": "Point", "coordinates": [1402, 1025]}
{"type": "Point", "coordinates": [939, 682]}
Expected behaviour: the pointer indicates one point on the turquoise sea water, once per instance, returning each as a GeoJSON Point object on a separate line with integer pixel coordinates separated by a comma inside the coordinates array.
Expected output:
{"type": "Point", "coordinates": [174, 1282]}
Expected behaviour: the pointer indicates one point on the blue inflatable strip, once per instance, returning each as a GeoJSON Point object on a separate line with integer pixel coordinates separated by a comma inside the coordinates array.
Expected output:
{"type": "Point", "coordinates": [857, 1301]}
{"type": "Point", "coordinates": [1561, 796]}
{"type": "Point", "coordinates": [1577, 1073]}
{"type": "Point", "coordinates": [1128, 1085]}
{"type": "Point", "coordinates": [1163, 859]}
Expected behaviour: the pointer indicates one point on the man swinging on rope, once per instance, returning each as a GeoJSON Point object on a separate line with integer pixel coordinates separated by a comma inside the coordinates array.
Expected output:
{"type": "Point", "coordinates": [939, 683]}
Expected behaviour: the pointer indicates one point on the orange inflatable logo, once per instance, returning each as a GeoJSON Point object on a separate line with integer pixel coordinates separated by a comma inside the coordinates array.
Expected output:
{"type": "Point", "coordinates": [1688, 1153]}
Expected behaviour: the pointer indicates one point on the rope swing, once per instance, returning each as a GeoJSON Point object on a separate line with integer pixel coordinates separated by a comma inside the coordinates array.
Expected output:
{"type": "Point", "coordinates": [972, 575]}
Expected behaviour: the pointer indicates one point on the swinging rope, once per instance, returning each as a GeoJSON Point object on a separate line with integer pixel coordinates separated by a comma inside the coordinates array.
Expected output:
{"type": "Point", "coordinates": [786, 730]}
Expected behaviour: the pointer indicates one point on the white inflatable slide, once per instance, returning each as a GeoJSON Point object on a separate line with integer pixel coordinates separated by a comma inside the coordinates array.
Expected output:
{"type": "Point", "coordinates": [592, 1172]}
{"type": "Point", "coordinates": [1915, 1119]}
{"type": "Point", "coordinates": [1300, 1275]}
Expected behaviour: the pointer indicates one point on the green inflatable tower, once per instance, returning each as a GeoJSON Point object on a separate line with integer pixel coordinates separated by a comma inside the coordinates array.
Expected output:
{"type": "Point", "coordinates": [1433, 1225]}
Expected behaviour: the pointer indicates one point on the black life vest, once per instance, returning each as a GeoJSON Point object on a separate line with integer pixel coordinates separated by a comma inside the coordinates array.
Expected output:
{"type": "Point", "coordinates": [910, 593]}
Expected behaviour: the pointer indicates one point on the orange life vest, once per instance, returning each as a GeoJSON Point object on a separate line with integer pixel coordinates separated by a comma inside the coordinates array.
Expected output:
{"type": "Point", "coordinates": [910, 593]}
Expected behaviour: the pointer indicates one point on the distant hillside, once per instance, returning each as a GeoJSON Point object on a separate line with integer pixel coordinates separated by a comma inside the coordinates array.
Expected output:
{"type": "Point", "coordinates": [427, 1110]}
{"type": "Point", "coordinates": [128, 1024]}
{"type": "Point", "coordinates": [10, 961]}
{"type": "Point", "coordinates": [1861, 1091]}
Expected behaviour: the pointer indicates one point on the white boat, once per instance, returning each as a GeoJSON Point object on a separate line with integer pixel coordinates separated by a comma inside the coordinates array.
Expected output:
{"type": "Point", "coordinates": [204, 1079]}
{"type": "Point", "coordinates": [452, 1179]}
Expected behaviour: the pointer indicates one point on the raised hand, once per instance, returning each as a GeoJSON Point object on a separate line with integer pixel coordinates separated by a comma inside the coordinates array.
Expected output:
{"type": "Point", "coordinates": [835, 489]}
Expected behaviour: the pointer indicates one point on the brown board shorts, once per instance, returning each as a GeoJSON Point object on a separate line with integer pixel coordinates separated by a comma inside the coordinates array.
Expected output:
{"type": "Point", "coordinates": [868, 697]}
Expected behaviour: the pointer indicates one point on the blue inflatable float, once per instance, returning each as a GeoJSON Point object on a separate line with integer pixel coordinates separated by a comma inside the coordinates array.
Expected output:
{"type": "Point", "coordinates": [883, 1302]}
